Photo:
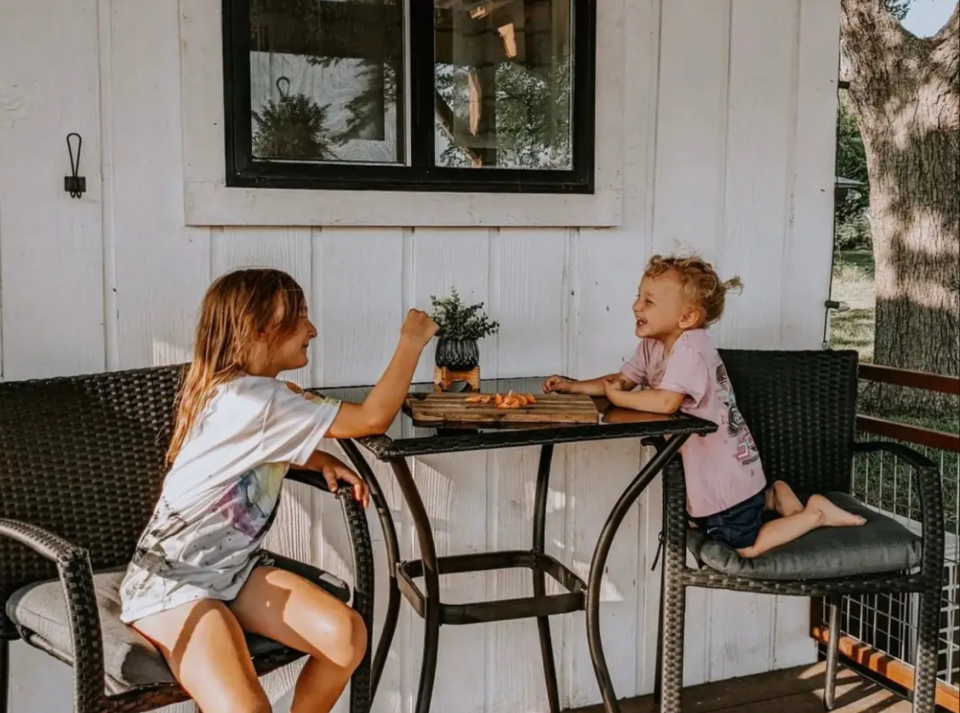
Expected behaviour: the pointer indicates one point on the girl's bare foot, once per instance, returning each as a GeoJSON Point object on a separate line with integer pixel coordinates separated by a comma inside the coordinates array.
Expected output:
{"type": "Point", "coordinates": [834, 516]}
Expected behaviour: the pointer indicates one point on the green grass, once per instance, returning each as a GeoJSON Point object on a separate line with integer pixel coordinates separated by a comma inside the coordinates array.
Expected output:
{"type": "Point", "coordinates": [877, 480]}
{"type": "Point", "coordinates": [853, 284]}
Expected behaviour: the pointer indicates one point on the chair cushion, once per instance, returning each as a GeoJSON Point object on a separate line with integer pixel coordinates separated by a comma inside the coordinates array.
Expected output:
{"type": "Point", "coordinates": [881, 545]}
{"type": "Point", "coordinates": [39, 611]}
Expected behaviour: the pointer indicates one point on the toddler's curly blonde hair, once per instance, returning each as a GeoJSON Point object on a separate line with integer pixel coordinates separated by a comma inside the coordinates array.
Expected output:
{"type": "Point", "coordinates": [701, 284]}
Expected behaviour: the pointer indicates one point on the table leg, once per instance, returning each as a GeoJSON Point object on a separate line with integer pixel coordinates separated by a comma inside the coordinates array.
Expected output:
{"type": "Point", "coordinates": [539, 578]}
{"type": "Point", "coordinates": [393, 558]}
{"type": "Point", "coordinates": [597, 565]}
{"type": "Point", "coordinates": [431, 580]}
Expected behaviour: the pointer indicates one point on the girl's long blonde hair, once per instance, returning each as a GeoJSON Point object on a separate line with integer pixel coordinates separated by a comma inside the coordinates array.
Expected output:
{"type": "Point", "coordinates": [238, 308]}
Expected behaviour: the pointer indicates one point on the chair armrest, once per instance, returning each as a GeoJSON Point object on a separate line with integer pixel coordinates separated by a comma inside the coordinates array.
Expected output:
{"type": "Point", "coordinates": [43, 542]}
{"type": "Point", "coordinates": [309, 477]}
{"type": "Point", "coordinates": [359, 532]}
{"type": "Point", "coordinates": [927, 476]}
{"type": "Point", "coordinates": [76, 577]}
{"type": "Point", "coordinates": [361, 550]}
{"type": "Point", "coordinates": [904, 453]}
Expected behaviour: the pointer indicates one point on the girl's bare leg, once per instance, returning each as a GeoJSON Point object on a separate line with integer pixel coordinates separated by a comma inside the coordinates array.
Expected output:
{"type": "Point", "coordinates": [287, 608]}
{"type": "Point", "coordinates": [207, 653]}
{"type": "Point", "coordinates": [819, 512]}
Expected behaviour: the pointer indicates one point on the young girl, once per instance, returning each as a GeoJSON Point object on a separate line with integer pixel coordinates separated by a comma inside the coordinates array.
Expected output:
{"type": "Point", "coordinates": [678, 366]}
{"type": "Point", "coordinates": [199, 580]}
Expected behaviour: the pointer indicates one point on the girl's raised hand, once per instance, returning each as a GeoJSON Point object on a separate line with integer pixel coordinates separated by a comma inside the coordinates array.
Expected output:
{"type": "Point", "coordinates": [419, 327]}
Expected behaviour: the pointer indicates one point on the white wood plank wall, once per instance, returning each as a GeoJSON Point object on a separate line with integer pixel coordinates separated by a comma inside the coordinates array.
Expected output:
{"type": "Point", "coordinates": [729, 117]}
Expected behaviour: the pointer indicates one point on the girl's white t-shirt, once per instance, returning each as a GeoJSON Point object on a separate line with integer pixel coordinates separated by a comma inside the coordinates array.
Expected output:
{"type": "Point", "coordinates": [220, 496]}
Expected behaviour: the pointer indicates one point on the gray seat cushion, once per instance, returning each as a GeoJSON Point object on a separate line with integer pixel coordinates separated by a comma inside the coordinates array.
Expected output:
{"type": "Point", "coordinates": [882, 545]}
{"type": "Point", "coordinates": [130, 661]}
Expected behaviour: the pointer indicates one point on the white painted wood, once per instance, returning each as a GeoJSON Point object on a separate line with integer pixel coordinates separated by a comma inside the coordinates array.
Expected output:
{"type": "Point", "coordinates": [760, 146]}
{"type": "Point", "coordinates": [162, 267]}
{"type": "Point", "coordinates": [692, 127]}
{"type": "Point", "coordinates": [454, 487]}
{"type": "Point", "coordinates": [360, 318]}
{"type": "Point", "coordinates": [731, 162]}
{"type": "Point", "coordinates": [810, 217]}
{"type": "Point", "coordinates": [288, 250]}
{"type": "Point", "coordinates": [359, 325]}
{"type": "Point", "coordinates": [209, 202]}
{"type": "Point", "coordinates": [808, 247]}
{"type": "Point", "coordinates": [527, 296]}
{"type": "Point", "coordinates": [597, 475]}
{"type": "Point", "coordinates": [51, 267]}
{"type": "Point", "coordinates": [691, 134]}
{"type": "Point", "coordinates": [514, 669]}
{"type": "Point", "coordinates": [443, 259]}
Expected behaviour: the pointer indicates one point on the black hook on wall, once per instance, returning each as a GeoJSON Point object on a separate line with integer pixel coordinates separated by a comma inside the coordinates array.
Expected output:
{"type": "Point", "coordinates": [74, 184]}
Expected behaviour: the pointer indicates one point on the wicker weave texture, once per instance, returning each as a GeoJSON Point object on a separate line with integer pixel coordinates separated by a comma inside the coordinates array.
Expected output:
{"type": "Point", "coordinates": [801, 408]}
{"type": "Point", "coordinates": [82, 457]}
{"type": "Point", "coordinates": [81, 468]}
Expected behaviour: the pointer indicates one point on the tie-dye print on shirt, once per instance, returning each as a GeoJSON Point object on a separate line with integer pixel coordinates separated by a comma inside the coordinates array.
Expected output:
{"type": "Point", "coordinates": [221, 495]}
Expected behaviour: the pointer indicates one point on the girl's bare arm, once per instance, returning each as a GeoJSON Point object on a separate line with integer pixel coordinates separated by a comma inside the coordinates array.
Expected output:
{"type": "Point", "coordinates": [382, 404]}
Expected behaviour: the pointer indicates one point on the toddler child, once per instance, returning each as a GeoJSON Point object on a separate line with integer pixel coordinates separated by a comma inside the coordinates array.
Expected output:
{"type": "Point", "coordinates": [678, 367]}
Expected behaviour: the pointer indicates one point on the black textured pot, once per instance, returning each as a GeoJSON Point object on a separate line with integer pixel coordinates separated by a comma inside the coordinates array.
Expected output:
{"type": "Point", "coordinates": [457, 354]}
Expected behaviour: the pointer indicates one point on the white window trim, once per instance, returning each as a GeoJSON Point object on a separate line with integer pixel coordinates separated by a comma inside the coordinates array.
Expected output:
{"type": "Point", "coordinates": [209, 202]}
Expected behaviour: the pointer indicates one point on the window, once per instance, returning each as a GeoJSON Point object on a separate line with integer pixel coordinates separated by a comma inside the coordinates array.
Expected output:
{"type": "Point", "coordinates": [448, 95]}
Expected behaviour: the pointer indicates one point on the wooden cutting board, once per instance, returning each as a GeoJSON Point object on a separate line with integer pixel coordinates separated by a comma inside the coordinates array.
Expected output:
{"type": "Point", "coordinates": [454, 408]}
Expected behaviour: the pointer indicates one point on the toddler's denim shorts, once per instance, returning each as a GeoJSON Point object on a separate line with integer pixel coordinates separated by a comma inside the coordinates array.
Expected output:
{"type": "Point", "coordinates": [737, 526]}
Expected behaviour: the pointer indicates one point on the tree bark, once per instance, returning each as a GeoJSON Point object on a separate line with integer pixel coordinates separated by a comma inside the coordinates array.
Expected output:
{"type": "Point", "coordinates": [906, 97]}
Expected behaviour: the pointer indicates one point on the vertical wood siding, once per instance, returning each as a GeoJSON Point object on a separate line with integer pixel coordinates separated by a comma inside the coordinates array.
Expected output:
{"type": "Point", "coordinates": [728, 150]}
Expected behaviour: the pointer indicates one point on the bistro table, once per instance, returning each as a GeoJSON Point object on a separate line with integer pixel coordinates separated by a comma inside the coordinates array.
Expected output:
{"type": "Point", "coordinates": [666, 433]}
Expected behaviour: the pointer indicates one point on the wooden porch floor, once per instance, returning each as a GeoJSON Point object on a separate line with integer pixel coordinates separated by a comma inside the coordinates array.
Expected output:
{"type": "Point", "coordinates": [798, 690]}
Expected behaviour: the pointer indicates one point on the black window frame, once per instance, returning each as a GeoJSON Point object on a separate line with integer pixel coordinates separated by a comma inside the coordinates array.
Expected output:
{"type": "Point", "coordinates": [243, 170]}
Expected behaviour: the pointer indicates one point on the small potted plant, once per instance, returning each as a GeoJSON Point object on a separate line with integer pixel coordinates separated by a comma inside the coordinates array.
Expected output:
{"type": "Point", "coordinates": [460, 328]}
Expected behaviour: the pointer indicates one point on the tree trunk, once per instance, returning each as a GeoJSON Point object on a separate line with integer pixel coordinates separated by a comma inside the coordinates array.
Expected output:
{"type": "Point", "coordinates": [906, 96]}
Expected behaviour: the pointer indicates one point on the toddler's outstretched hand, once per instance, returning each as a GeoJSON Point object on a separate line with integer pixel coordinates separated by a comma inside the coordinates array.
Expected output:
{"type": "Point", "coordinates": [419, 327]}
{"type": "Point", "coordinates": [556, 385]}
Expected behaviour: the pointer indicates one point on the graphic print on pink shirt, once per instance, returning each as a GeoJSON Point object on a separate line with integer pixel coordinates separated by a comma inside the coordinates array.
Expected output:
{"type": "Point", "coordinates": [746, 452]}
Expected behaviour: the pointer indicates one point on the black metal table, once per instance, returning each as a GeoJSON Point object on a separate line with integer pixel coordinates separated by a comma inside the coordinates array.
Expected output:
{"type": "Point", "coordinates": [666, 433]}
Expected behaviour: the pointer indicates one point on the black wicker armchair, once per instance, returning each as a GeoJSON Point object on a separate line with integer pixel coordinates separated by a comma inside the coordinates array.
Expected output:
{"type": "Point", "coordinates": [81, 467]}
{"type": "Point", "coordinates": [801, 408]}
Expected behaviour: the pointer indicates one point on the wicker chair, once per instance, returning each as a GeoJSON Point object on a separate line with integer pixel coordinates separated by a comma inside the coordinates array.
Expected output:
{"type": "Point", "coordinates": [81, 467]}
{"type": "Point", "coordinates": [801, 408]}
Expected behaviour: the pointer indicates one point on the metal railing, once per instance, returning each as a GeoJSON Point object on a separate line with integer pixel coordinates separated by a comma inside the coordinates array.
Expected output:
{"type": "Point", "coordinates": [880, 630]}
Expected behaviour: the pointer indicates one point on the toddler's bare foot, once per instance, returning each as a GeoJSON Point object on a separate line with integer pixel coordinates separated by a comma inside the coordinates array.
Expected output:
{"type": "Point", "coordinates": [834, 516]}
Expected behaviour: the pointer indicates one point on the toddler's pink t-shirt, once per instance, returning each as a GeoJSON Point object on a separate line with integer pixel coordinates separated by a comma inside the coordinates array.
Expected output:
{"type": "Point", "coordinates": [723, 468]}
